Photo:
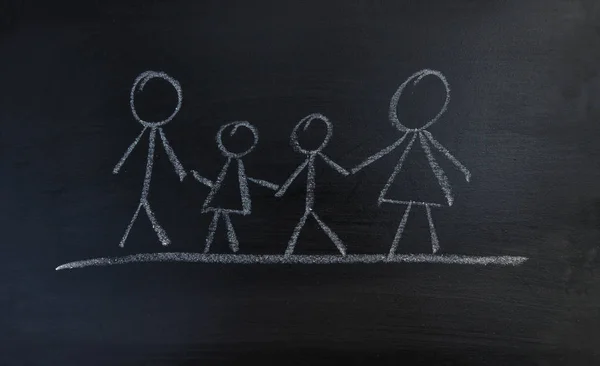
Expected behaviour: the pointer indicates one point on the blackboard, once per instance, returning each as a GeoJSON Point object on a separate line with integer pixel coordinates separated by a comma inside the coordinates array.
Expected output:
{"type": "Point", "coordinates": [501, 270]}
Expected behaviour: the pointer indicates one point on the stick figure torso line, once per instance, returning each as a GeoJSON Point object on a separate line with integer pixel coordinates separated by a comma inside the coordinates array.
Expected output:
{"type": "Point", "coordinates": [309, 164]}
{"type": "Point", "coordinates": [234, 159]}
{"type": "Point", "coordinates": [425, 139]}
{"type": "Point", "coordinates": [154, 127]}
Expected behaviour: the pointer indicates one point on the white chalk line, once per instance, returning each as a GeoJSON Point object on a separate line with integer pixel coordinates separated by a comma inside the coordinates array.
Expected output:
{"type": "Point", "coordinates": [149, 164]}
{"type": "Point", "coordinates": [437, 170]}
{"type": "Point", "coordinates": [117, 167]}
{"type": "Point", "coordinates": [450, 157]}
{"type": "Point", "coordinates": [399, 232]}
{"type": "Point", "coordinates": [172, 157]}
{"type": "Point", "coordinates": [311, 183]}
{"type": "Point", "coordinates": [435, 243]}
{"type": "Point", "coordinates": [373, 158]}
{"type": "Point", "coordinates": [201, 179]}
{"type": "Point", "coordinates": [333, 236]}
{"type": "Point", "coordinates": [397, 169]}
{"type": "Point", "coordinates": [211, 231]}
{"type": "Point", "coordinates": [264, 183]}
{"type": "Point", "coordinates": [333, 164]}
{"type": "Point", "coordinates": [244, 190]}
{"type": "Point", "coordinates": [298, 259]}
{"type": "Point", "coordinates": [215, 187]}
{"type": "Point", "coordinates": [135, 215]}
{"type": "Point", "coordinates": [414, 203]}
{"type": "Point", "coordinates": [284, 187]}
{"type": "Point", "coordinates": [160, 232]}
{"type": "Point", "coordinates": [296, 233]}
{"type": "Point", "coordinates": [233, 241]}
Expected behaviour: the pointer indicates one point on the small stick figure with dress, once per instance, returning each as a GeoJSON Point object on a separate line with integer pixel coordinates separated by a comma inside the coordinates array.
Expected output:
{"type": "Point", "coordinates": [154, 127]}
{"type": "Point", "coordinates": [309, 164]}
{"type": "Point", "coordinates": [426, 140]}
{"type": "Point", "coordinates": [245, 203]}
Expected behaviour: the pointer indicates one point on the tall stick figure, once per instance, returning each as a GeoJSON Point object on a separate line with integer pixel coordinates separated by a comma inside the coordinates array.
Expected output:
{"type": "Point", "coordinates": [245, 204]}
{"type": "Point", "coordinates": [425, 139]}
{"type": "Point", "coordinates": [309, 163]}
{"type": "Point", "coordinates": [154, 127]}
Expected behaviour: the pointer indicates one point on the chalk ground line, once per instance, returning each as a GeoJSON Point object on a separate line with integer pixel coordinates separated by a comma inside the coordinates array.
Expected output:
{"type": "Point", "coordinates": [297, 259]}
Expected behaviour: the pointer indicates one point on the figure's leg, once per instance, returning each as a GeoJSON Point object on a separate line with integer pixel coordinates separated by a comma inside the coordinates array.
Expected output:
{"type": "Point", "coordinates": [160, 232]}
{"type": "Point", "coordinates": [233, 242]}
{"type": "Point", "coordinates": [333, 236]}
{"type": "Point", "coordinates": [135, 215]}
{"type": "Point", "coordinates": [435, 244]}
{"type": "Point", "coordinates": [211, 231]}
{"type": "Point", "coordinates": [295, 234]}
{"type": "Point", "coordinates": [400, 230]}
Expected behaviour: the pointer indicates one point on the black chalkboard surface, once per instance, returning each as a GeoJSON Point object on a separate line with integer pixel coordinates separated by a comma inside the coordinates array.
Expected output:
{"type": "Point", "coordinates": [299, 182]}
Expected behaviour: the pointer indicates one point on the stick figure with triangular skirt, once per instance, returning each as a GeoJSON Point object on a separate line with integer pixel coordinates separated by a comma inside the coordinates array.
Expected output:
{"type": "Point", "coordinates": [309, 164]}
{"type": "Point", "coordinates": [154, 127]}
{"type": "Point", "coordinates": [245, 204]}
{"type": "Point", "coordinates": [425, 139]}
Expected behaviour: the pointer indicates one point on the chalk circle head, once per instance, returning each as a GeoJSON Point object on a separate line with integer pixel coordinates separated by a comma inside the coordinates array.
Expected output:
{"type": "Point", "coordinates": [305, 123]}
{"type": "Point", "coordinates": [138, 85]}
{"type": "Point", "coordinates": [415, 79]}
{"type": "Point", "coordinates": [234, 127]}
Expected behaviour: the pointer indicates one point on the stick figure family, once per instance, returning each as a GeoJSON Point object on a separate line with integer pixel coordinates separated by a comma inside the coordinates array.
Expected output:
{"type": "Point", "coordinates": [234, 166]}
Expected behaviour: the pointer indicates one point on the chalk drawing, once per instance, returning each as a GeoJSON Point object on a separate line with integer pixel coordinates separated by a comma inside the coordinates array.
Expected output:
{"type": "Point", "coordinates": [309, 164]}
{"type": "Point", "coordinates": [245, 199]}
{"type": "Point", "coordinates": [297, 259]}
{"type": "Point", "coordinates": [425, 139]}
{"type": "Point", "coordinates": [234, 161]}
{"type": "Point", "coordinates": [138, 85]}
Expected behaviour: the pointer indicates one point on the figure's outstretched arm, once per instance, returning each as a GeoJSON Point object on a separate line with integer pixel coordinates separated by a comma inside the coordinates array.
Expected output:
{"type": "Point", "coordinates": [288, 182]}
{"type": "Point", "coordinates": [172, 157]}
{"type": "Point", "coordinates": [128, 152]}
{"type": "Point", "coordinates": [450, 157]}
{"type": "Point", "coordinates": [334, 165]}
{"type": "Point", "coordinates": [201, 179]}
{"type": "Point", "coordinates": [264, 183]}
{"type": "Point", "coordinates": [380, 154]}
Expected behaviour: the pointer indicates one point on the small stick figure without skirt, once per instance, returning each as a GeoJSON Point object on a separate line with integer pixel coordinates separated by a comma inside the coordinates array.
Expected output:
{"type": "Point", "coordinates": [246, 202]}
{"type": "Point", "coordinates": [309, 163]}
{"type": "Point", "coordinates": [425, 139]}
{"type": "Point", "coordinates": [154, 127]}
